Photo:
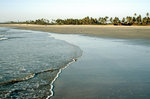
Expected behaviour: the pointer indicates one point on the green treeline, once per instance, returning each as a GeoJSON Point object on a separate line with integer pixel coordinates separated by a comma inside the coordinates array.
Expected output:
{"type": "Point", "coordinates": [134, 20]}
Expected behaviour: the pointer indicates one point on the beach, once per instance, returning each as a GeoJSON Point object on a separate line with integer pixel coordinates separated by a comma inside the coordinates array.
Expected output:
{"type": "Point", "coordinates": [75, 49]}
{"type": "Point", "coordinates": [108, 69]}
{"type": "Point", "coordinates": [114, 63]}
{"type": "Point", "coordinates": [111, 31]}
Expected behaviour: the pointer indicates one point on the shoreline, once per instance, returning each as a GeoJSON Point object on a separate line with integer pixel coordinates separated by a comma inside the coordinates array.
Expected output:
{"type": "Point", "coordinates": [108, 31]}
{"type": "Point", "coordinates": [52, 78]}
{"type": "Point", "coordinates": [108, 68]}
{"type": "Point", "coordinates": [57, 75]}
{"type": "Point", "coordinates": [64, 84]}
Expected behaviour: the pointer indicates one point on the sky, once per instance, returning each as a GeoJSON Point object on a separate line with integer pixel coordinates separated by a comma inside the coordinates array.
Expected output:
{"type": "Point", "coordinates": [21, 10]}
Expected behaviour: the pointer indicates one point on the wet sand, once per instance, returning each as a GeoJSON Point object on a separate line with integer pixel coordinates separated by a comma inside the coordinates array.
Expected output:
{"type": "Point", "coordinates": [93, 30]}
{"type": "Point", "coordinates": [108, 69]}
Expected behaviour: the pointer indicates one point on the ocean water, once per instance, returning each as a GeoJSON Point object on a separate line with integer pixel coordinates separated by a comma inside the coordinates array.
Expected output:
{"type": "Point", "coordinates": [29, 62]}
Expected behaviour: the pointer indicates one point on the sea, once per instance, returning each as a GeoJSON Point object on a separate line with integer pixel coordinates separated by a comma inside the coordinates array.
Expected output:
{"type": "Point", "coordinates": [30, 62]}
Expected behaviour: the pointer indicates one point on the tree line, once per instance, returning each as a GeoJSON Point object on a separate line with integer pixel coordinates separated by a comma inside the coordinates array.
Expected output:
{"type": "Point", "coordinates": [134, 20]}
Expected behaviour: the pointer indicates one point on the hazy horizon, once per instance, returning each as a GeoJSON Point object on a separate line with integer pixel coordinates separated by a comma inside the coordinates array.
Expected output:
{"type": "Point", "coordinates": [21, 10]}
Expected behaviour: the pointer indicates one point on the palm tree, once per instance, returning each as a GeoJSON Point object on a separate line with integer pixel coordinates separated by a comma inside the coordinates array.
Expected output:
{"type": "Point", "coordinates": [139, 19]}
{"type": "Point", "coordinates": [144, 20]}
{"type": "Point", "coordinates": [147, 14]}
{"type": "Point", "coordinates": [96, 21]}
{"type": "Point", "coordinates": [123, 20]}
{"type": "Point", "coordinates": [148, 19]}
{"type": "Point", "coordinates": [135, 14]}
{"type": "Point", "coordinates": [111, 20]}
{"type": "Point", "coordinates": [106, 18]}
{"type": "Point", "coordinates": [134, 18]}
{"type": "Point", "coordinates": [129, 19]}
{"type": "Point", "coordinates": [116, 21]}
{"type": "Point", "coordinates": [100, 20]}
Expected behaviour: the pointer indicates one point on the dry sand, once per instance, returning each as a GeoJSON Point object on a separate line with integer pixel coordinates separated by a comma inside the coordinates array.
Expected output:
{"type": "Point", "coordinates": [93, 30]}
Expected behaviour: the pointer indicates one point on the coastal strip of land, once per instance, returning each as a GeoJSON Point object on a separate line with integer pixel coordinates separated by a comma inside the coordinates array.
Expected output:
{"type": "Point", "coordinates": [131, 32]}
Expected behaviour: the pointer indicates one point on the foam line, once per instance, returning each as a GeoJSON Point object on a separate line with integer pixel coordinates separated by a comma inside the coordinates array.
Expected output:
{"type": "Point", "coordinates": [52, 83]}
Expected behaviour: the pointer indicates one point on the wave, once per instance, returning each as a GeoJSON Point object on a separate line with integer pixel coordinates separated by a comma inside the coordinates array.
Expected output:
{"type": "Point", "coordinates": [57, 75]}
{"type": "Point", "coordinates": [42, 71]}
{"type": "Point", "coordinates": [2, 35]}
{"type": "Point", "coordinates": [3, 38]}
{"type": "Point", "coordinates": [17, 80]}
{"type": "Point", "coordinates": [32, 75]}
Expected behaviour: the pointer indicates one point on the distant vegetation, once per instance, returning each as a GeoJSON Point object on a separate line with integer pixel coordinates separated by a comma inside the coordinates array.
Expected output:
{"type": "Point", "coordinates": [134, 20]}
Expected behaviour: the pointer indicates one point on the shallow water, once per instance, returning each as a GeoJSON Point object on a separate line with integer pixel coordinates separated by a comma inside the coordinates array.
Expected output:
{"type": "Point", "coordinates": [29, 61]}
{"type": "Point", "coordinates": [108, 69]}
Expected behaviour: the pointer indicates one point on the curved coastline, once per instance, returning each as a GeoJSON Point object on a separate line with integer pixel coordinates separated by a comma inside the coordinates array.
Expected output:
{"type": "Point", "coordinates": [60, 70]}
{"type": "Point", "coordinates": [110, 67]}
{"type": "Point", "coordinates": [57, 75]}
{"type": "Point", "coordinates": [28, 77]}
{"type": "Point", "coordinates": [78, 53]}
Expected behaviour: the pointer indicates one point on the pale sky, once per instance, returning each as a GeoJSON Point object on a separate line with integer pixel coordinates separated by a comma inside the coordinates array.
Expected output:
{"type": "Point", "coordinates": [21, 10]}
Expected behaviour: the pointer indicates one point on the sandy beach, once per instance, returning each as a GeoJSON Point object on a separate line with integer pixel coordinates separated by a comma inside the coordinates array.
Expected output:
{"type": "Point", "coordinates": [109, 68]}
{"type": "Point", "coordinates": [111, 31]}
{"type": "Point", "coordinates": [75, 49]}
